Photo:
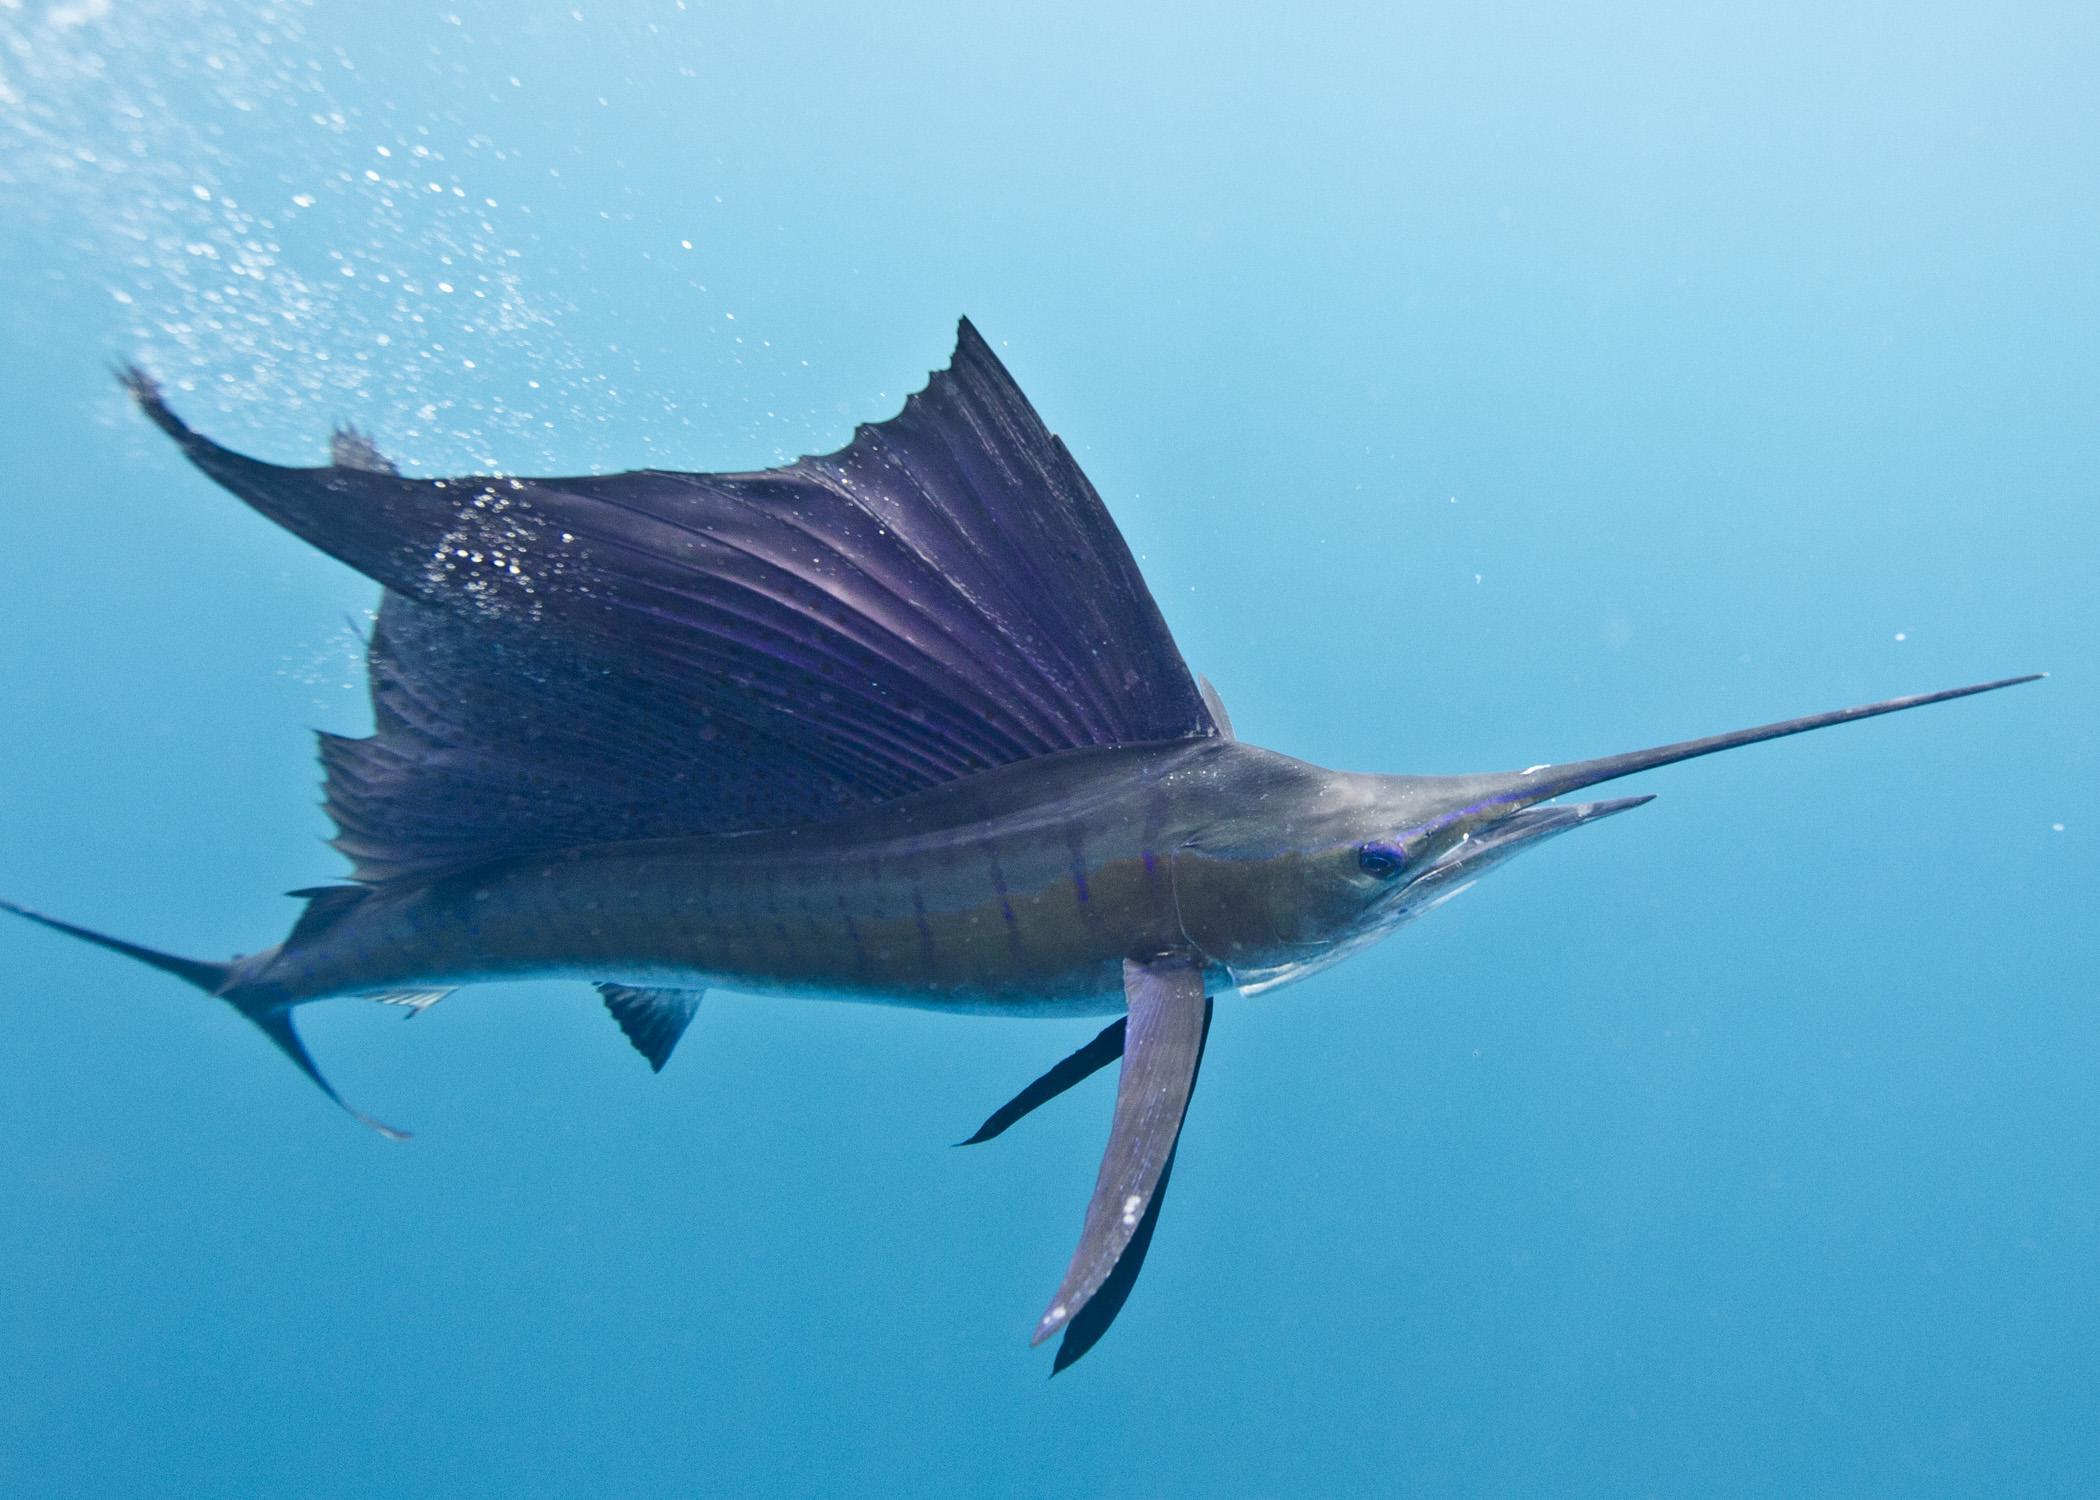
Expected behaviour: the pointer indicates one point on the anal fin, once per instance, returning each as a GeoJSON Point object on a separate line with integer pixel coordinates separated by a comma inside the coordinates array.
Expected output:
{"type": "Point", "coordinates": [653, 1019]}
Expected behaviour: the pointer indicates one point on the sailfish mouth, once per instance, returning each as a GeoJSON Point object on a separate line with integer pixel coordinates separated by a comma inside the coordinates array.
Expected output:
{"type": "Point", "coordinates": [1529, 823]}
{"type": "Point", "coordinates": [1506, 797]}
{"type": "Point", "coordinates": [1484, 848]}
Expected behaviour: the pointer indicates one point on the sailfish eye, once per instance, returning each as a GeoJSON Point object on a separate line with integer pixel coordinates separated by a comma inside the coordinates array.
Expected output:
{"type": "Point", "coordinates": [1379, 860]}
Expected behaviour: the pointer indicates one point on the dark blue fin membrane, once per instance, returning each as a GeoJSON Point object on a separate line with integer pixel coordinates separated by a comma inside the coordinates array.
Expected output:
{"type": "Point", "coordinates": [653, 1019]}
{"type": "Point", "coordinates": [1163, 1047]}
{"type": "Point", "coordinates": [1073, 1070]}
{"type": "Point", "coordinates": [654, 653]}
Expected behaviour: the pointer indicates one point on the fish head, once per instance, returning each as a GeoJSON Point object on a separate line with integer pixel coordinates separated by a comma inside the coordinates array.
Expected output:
{"type": "Point", "coordinates": [1322, 863]}
{"type": "Point", "coordinates": [1408, 845]}
{"type": "Point", "coordinates": [1303, 866]}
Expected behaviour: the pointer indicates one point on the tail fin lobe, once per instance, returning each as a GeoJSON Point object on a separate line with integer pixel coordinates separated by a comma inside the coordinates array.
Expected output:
{"type": "Point", "coordinates": [275, 1022]}
{"type": "Point", "coordinates": [205, 975]}
{"type": "Point", "coordinates": [277, 1026]}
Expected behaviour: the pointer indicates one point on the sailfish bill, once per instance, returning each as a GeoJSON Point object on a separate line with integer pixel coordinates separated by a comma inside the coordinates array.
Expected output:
{"type": "Point", "coordinates": [1556, 781]}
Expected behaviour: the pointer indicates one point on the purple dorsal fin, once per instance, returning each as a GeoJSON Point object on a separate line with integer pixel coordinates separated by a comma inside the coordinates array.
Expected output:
{"type": "Point", "coordinates": [650, 654]}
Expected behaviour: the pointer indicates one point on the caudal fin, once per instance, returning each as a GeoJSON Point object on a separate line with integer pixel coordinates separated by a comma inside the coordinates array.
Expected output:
{"type": "Point", "coordinates": [213, 978]}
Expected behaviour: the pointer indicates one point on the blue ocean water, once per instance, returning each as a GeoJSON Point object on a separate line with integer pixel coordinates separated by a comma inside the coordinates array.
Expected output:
{"type": "Point", "coordinates": [1479, 386]}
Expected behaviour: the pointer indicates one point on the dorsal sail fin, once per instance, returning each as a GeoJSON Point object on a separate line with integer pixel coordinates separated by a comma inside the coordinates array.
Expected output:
{"type": "Point", "coordinates": [654, 653]}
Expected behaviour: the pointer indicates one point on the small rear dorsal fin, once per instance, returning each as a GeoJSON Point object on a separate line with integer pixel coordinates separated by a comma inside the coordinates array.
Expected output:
{"type": "Point", "coordinates": [653, 1019]}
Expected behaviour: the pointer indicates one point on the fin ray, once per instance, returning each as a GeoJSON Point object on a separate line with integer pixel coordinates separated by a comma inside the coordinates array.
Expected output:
{"type": "Point", "coordinates": [351, 448]}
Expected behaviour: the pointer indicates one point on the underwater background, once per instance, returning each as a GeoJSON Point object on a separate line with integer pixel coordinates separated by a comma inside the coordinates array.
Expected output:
{"type": "Point", "coordinates": [1478, 385]}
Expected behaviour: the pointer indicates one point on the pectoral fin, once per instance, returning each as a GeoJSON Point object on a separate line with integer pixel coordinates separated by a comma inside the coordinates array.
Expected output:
{"type": "Point", "coordinates": [1163, 1047]}
{"type": "Point", "coordinates": [1087, 1327]}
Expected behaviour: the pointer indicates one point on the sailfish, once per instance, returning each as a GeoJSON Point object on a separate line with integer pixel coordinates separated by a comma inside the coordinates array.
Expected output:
{"type": "Point", "coordinates": [900, 724]}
